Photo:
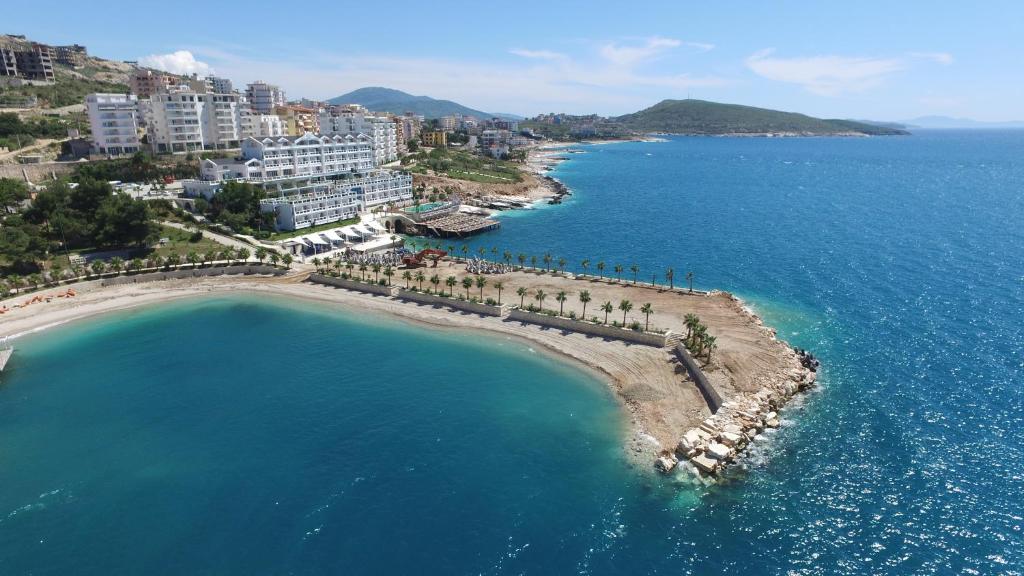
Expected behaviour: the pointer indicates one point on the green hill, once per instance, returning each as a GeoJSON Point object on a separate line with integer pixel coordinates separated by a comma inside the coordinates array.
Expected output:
{"type": "Point", "coordinates": [397, 102]}
{"type": "Point", "coordinates": [713, 118]}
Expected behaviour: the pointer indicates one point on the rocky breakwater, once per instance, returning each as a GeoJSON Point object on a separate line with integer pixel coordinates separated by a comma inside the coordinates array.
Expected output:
{"type": "Point", "coordinates": [560, 190]}
{"type": "Point", "coordinates": [723, 437]}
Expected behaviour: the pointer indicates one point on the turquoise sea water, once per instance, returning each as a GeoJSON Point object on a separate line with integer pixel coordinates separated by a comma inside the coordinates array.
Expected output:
{"type": "Point", "coordinates": [273, 438]}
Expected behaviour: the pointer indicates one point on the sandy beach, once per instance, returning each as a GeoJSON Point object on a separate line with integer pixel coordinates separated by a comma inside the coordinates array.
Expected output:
{"type": "Point", "coordinates": [660, 401]}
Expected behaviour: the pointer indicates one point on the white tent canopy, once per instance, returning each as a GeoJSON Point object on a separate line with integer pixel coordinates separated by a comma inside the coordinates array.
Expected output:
{"type": "Point", "coordinates": [348, 231]}
{"type": "Point", "coordinates": [330, 235]}
{"type": "Point", "coordinates": [374, 225]}
{"type": "Point", "coordinates": [316, 239]}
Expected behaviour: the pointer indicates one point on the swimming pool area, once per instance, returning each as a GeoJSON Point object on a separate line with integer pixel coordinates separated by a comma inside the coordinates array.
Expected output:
{"type": "Point", "coordinates": [423, 208]}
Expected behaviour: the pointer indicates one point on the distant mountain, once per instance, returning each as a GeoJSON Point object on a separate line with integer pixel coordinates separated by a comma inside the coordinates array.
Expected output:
{"type": "Point", "coordinates": [894, 125]}
{"type": "Point", "coordinates": [713, 118]}
{"type": "Point", "coordinates": [948, 122]}
{"type": "Point", "coordinates": [398, 102]}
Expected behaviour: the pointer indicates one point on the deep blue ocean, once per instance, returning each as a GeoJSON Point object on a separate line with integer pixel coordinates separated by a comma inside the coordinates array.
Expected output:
{"type": "Point", "coordinates": [237, 436]}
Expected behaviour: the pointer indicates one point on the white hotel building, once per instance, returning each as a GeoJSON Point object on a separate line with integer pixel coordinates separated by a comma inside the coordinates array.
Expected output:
{"type": "Point", "coordinates": [114, 121]}
{"type": "Point", "coordinates": [353, 120]}
{"type": "Point", "coordinates": [312, 179]}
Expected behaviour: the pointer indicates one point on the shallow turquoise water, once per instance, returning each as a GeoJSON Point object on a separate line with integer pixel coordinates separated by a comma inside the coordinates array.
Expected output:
{"type": "Point", "coordinates": [900, 261]}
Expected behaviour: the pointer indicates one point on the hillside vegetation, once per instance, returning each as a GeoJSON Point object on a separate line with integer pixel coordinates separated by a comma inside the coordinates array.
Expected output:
{"type": "Point", "coordinates": [713, 118]}
{"type": "Point", "coordinates": [397, 102]}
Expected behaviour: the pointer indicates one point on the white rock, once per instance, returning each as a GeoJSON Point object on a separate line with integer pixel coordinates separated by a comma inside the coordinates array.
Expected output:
{"type": "Point", "coordinates": [718, 451]}
{"type": "Point", "coordinates": [731, 438]}
{"type": "Point", "coordinates": [666, 463]}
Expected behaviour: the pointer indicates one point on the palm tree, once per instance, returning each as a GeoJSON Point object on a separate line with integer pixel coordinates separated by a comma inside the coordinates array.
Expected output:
{"type": "Point", "coordinates": [561, 297]}
{"type": "Point", "coordinates": [450, 282]}
{"type": "Point", "coordinates": [625, 306]}
{"type": "Point", "coordinates": [135, 264]}
{"type": "Point", "coordinates": [261, 254]}
{"type": "Point", "coordinates": [711, 345]}
{"type": "Point", "coordinates": [670, 275]}
{"type": "Point", "coordinates": [540, 296]}
{"type": "Point", "coordinates": [350, 266]}
{"type": "Point", "coordinates": [689, 278]}
{"type": "Point", "coordinates": [362, 271]}
{"type": "Point", "coordinates": [35, 279]}
{"type": "Point", "coordinates": [420, 277]}
{"type": "Point", "coordinates": [389, 272]}
{"type": "Point", "coordinates": [634, 269]}
{"type": "Point", "coordinates": [584, 298]}
{"type": "Point", "coordinates": [467, 283]}
{"type": "Point", "coordinates": [465, 250]}
{"type": "Point", "coordinates": [521, 292]}
{"type": "Point", "coordinates": [435, 280]}
{"type": "Point", "coordinates": [600, 268]}
{"type": "Point", "coordinates": [316, 264]}
{"type": "Point", "coordinates": [481, 251]}
{"type": "Point", "coordinates": [243, 254]}
{"type": "Point", "coordinates": [498, 286]}
{"type": "Point", "coordinates": [494, 252]}
{"type": "Point", "coordinates": [691, 321]}
{"type": "Point", "coordinates": [508, 257]}
{"type": "Point", "coordinates": [522, 260]}
{"type": "Point", "coordinates": [607, 308]}
{"type": "Point", "coordinates": [116, 264]}
{"type": "Point", "coordinates": [407, 276]}
{"type": "Point", "coordinates": [480, 283]}
{"type": "Point", "coordinates": [654, 278]}
{"type": "Point", "coordinates": [647, 310]}
{"type": "Point", "coordinates": [561, 265]}
{"type": "Point", "coordinates": [547, 261]}
{"type": "Point", "coordinates": [274, 258]}
{"type": "Point", "coordinates": [173, 260]}
{"type": "Point", "coordinates": [533, 262]}
{"type": "Point", "coordinates": [376, 272]}
{"type": "Point", "coordinates": [585, 264]}
{"type": "Point", "coordinates": [97, 267]}
{"type": "Point", "coordinates": [618, 272]}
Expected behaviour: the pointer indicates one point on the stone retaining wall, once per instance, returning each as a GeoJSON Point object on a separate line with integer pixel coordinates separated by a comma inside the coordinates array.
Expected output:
{"type": "Point", "coordinates": [602, 330]}
{"type": "Point", "coordinates": [190, 273]}
{"type": "Point", "coordinates": [707, 390]}
{"type": "Point", "coordinates": [353, 285]}
{"type": "Point", "coordinates": [464, 305]}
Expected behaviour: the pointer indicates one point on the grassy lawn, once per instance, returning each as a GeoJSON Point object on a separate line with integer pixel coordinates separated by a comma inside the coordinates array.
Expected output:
{"type": "Point", "coordinates": [313, 229]}
{"type": "Point", "coordinates": [179, 242]}
{"type": "Point", "coordinates": [465, 166]}
{"type": "Point", "coordinates": [482, 177]}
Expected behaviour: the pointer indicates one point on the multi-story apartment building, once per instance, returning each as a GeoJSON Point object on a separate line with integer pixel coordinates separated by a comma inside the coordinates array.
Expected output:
{"type": "Point", "coordinates": [219, 85]}
{"type": "Point", "coordinates": [36, 63]}
{"type": "Point", "coordinates": [298, 119]}
{"type": "Point", "coordinates": [175, 120]}
{"type": "Point", "coordinates": [259, 125]}
{"type": "Point", "coordinates": [181, 119]}
{"type": "Point", "coordinates": [263, 97]}
{"type": "Point", "coordinates": [448, 123]}
{"type": "Point", "coordinates": [353, 120]}
{"type": "Point", "coordinates": [344, 199]}
{"type": "Point", "coordinates": [113, 119]}
{"type": "Point", "coordinates": [383, 187]}
{"type": "Point", "coordinates": [8, 61]}
{"type": "Point", "coordinates": [434, 138]}
{"type": "Point", "coordinates": [144, 83]}
{"type": "Point", "coordinates": [73, 55]}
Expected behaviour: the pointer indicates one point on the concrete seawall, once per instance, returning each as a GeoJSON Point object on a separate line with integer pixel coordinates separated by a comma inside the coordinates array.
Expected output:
{"type": "Point", "coordinates": [353, 285]}
{"type": "Point", "coordinates": [707, 390]}
{"type": "Point", "coordinates": [464, 305]}
{"type": "Point", "coordinates": [601, 330]}
{"type": "Point", "coordinates": [196, 273]}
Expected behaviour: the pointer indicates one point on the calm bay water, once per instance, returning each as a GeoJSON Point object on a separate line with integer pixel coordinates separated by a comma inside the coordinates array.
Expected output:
{"type": "Point", "coordinates": [246, 437]}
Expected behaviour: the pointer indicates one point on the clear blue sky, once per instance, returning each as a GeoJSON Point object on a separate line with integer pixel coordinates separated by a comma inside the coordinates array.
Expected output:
{"type": "Point", "coordinates": [880, 60]}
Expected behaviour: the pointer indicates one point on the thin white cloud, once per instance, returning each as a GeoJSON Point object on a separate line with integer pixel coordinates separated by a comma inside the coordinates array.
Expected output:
{"type": "Point", "coordinates": [701, 46]}
{"type": "Point", "coordinates": [179, 62]}
{"type": "Point", "coordinates": [944, 58]}
{"type": "Point", "coordinates": [538, 54]}
{"type": "Point", "coordinates": [825, 75]}
{"type": "Point", "coordinates": [627, 56]}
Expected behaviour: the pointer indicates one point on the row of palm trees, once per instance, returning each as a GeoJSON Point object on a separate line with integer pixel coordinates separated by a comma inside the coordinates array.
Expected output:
{"type": "Point", "coordinates": [550, 264]}
{"type": "Point", "coordinates": [584, 297]}
{"type": "Point", "coordinates": [697, 339]}
{"type": "Point", "coordinates": [56, 273]}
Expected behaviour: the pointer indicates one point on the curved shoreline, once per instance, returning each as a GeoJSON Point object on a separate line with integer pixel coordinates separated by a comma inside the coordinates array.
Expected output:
{"type": "Point", "coordinates": [661, 400]}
